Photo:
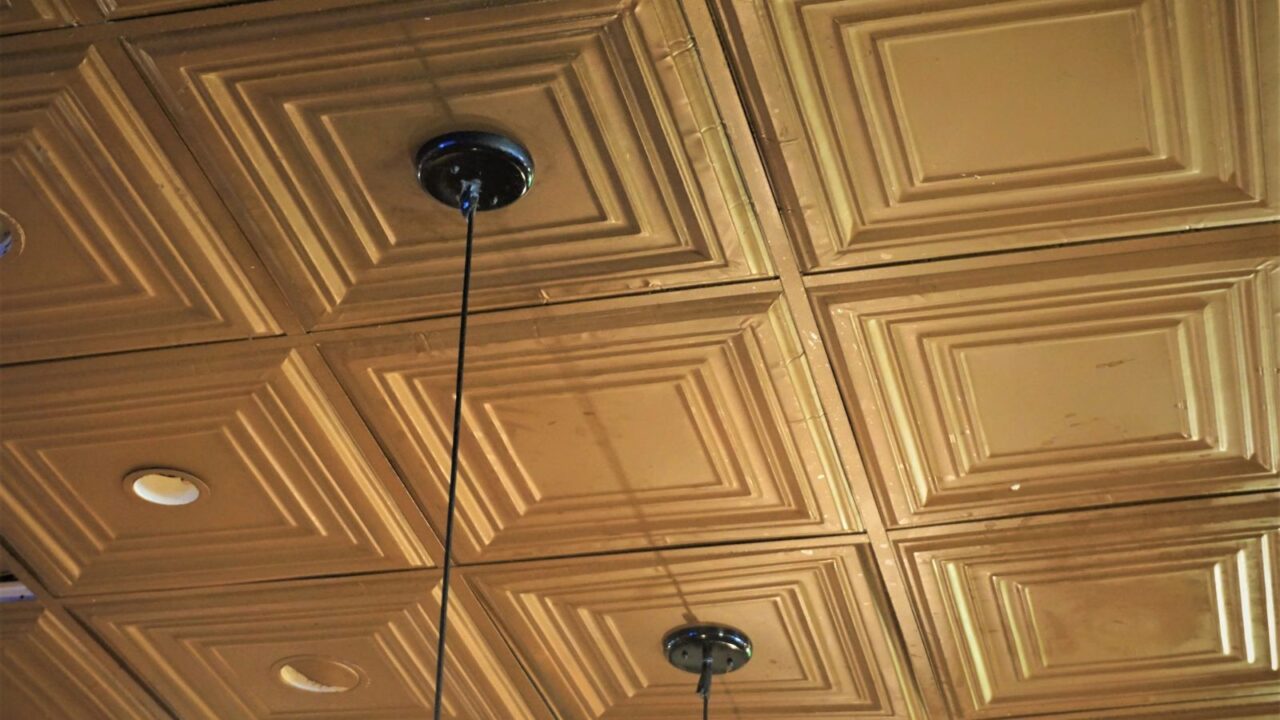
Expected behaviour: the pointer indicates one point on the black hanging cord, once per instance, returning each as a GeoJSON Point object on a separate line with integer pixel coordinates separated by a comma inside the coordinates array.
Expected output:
{"type": "Point", "coordinates": [704, 681]}
{"type": "Point", "coordinates": [467, 202]}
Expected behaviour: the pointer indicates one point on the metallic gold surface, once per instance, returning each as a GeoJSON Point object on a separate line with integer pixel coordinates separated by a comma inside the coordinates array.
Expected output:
{"type": "Point", "coordinates": [932, 344]}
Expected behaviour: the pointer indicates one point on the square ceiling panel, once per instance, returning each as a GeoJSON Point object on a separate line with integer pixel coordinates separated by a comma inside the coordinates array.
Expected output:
{"type": "Point", "coordinates": [311, 124]}
{"type": "Point", "coordinates": [677, 419]}
{"type": "Point", "coordinates": [352, 648]}
{"type": "Point", "coordinates": [895, 131]}
{"type": "Point", "coordinates": [1118, 607]}
{"type": "Point", "coordinates": [50, 669]}
{"type": "Point", "coordinates": [285, 489]}
{"type": "Point", "coordinates": [109, 246]}
{"type": "Point", "coordinates": [1258, 707]}
{"type": "Point", "coordinates": [1063, 378]}
{"type": "Point", "coordinates": [590, 632]}
{"type": "Point", "coordinates": [18, 16]}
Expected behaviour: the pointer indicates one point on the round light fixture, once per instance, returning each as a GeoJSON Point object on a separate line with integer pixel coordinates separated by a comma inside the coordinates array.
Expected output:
{"type": "Point", "coordinates": [162, 486]}
{"type": "Point", "coordinates": [470, 171]}
{"type": "Point", "coordinates": [707, 650]}
{"type": "Point", "coordinates": [501, 168]}
{"type": "Point", "coordinates": [315, 674]}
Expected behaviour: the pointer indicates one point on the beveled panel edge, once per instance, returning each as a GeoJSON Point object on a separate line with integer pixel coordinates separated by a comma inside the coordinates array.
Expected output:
{"type": "Point", "coordinates": [252, 283]}
{"type": "Point", "coordinates": [415, 531]}
{"type": "Point", "coordinates": [748, 256]}
{"type": "Point", "coordinates": [745, 60]}
{"type": "Point", "coordinates": [86, 610]}
{"type": "Point", "coordinates": [906, 669]}
{"type": "Point", "coordinates": [727, 91]}
{"type": "Point", "coordinates": [765, 297]}
{"type": "Point", "coordinates": [1171, 250]}
{"type": "Point", "coordinates": [1195, 237]}
{"type": "Point", "coordinates": [92, 651]}
{"type": "Point", "coordinates": [1257, 707]}
{"type": "Point", "coordinates": [907, 541]}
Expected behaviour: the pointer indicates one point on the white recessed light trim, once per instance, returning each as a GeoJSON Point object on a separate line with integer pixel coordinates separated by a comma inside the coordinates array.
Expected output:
{"type": "Point", "coordinates": [164, 486]}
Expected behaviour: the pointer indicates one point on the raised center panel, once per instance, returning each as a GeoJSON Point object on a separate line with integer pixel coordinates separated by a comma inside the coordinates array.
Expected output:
{"type": "Point", "coordinates": [309, 123]}
{"type": "Point", "coordinates": [1088, 391]}
{"type": "Point", "coordinates": [620, 447]}
{"type": "Point", "coordinates": [621, 425]}
{"type": "Point", "coordinates": [1015, 66]}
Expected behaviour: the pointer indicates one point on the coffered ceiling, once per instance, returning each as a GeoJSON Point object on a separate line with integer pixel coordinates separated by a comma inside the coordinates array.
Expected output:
{"type": "Point", "coordinates": [932, 344]}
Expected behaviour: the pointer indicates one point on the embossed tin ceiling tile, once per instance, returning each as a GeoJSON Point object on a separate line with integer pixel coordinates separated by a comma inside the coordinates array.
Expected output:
{"type": "Point", "coordinates": [48, 670]}
{"type": "Point", "coordinates": [311, 122]}
{"type": "Point", "coordinates": [590, 632]}
{"type": "Point", "coordinates": [109, 248]}
{"type": "Point", "coordinates": [120, 9]}
{"type": "Point", "coordinates": [352, 648]}
{"type": "Point", "coordinates": [677, 419]}
{"type": "Point", "coordinates": [896, 131]}
{"type": "Point", "coordinates": [1258, 707]}
{"type": "Point", "coordinates": [284, 489]}
{"type": "Point", "coordinates": [20, 16]}
{"type": "Point", "coordinates": [1117, 607]}
{"type": "Point", "coordinates": [1064, 378]}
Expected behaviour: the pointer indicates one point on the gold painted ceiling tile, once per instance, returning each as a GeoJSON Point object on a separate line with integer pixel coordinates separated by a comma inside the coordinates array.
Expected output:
{"type": "Point", "coordinates": [904, 130]}
{"type": "Point", "coordinates": [110, 247]}
{"type": "Point", "coordinates": [310, 124]}
{"type": "Point", "coordinates": [678, 419]}
{"type": "Point", "coordinates": [49, 670]}
{"type": "Point", "coordinates": [351, 648]}
{"type": "Point", "coordinates": [590, 631]}
{"type": "Point", "coordinates": [1065, 378]}
{"type": "Point", "coordinates": [1117, 607]}
{"type": "Point", "coordinates": [285, 489]}
{"type": "Point", "coordinates": [21, 16]}
{"type": "Point", "coordinates": [1258, 707]}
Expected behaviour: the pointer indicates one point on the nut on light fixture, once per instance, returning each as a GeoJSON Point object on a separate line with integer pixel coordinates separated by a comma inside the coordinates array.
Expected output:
{"type": "Point", "coordinates": [472, 171]}
{"type": "Point", "coordinates": [707, 650]}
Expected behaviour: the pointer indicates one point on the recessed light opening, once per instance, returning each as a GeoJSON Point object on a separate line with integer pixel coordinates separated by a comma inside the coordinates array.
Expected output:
{"type": "Point", "coordinates": [165, 487]}
{"type": "Point", "coordinates": [318, 675]}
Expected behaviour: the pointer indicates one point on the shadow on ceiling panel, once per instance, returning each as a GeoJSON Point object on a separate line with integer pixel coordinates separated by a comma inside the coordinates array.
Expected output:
{"type": "Point", "coordinates": [1118, 607]}
{"type": "Point", "coordinates": [49, 668]}
{"type": "Point", "coordinates": [1063, 378]}
{"type": "Point", "coordinates": [677, 419]}
{"type": "Point", "coordinates": [353, 648]}
{"type": "Point", "coordinates": [114, 240]}
{"type": "Point", "coordinates": [310, 124]}
{"type": "Point", "coordinates": [590, 632]}
{"type": "Point", "coordinates": [285, 489]}
{"type": "Point", "coordinates": [897, 131]}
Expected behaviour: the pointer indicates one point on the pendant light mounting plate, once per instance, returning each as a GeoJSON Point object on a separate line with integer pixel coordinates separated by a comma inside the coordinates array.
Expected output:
{"type": "Point", "coordinates": [686, 646]}
{"type": "Point", "coordinates": [447, 163]}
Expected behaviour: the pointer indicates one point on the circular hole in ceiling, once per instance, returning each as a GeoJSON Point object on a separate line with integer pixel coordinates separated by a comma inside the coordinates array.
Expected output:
{"type": "Point", "coordinates": [161, 486]}
{"type": "Point", "coordinates": [11, 237]}
{"type": "Point", "coordinates": [314, 674]}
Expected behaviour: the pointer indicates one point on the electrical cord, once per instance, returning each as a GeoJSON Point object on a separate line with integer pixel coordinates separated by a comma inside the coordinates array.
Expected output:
{"type": "Point", "coordinates": [467, 202]}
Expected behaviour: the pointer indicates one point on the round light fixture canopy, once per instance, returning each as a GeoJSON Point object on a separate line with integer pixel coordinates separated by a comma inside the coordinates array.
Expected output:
{"type": "Point", "coordinates": [502, 167]}
{"type": "Point", "coordinates": [686, 647]}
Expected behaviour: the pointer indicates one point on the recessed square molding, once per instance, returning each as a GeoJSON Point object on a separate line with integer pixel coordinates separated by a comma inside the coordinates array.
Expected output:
{"type": "Point", "coordinates": [897, 131]}
{"type": "Point", "coordinates": [675, 419]}
{"type": "Point", "coordinates": [310, 123]}
{"type": "Point", "coordinates": [1064, 378]}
